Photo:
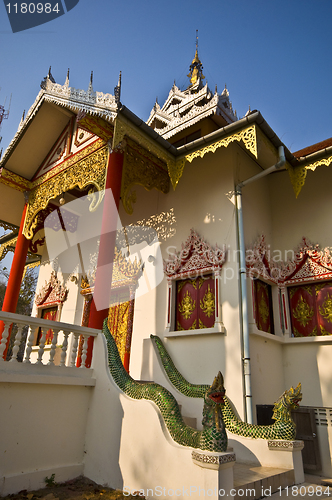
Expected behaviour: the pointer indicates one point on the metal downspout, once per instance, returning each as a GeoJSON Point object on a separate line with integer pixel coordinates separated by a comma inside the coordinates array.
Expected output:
{"type": "Point", "coordinates": [243, 281]}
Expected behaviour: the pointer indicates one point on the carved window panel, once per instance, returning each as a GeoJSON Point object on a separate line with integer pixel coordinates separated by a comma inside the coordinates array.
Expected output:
{"type": "Point", "coordinates": [263, 306]}
{"type": "Point", "coordinates": [49, 302]}
{"type": "Point", "coordinates": [194, 278]}
{"type": "Point", "coordinates": [51, 314]}
{"type": "Point", "coordinates": [195, 303]}
{"type": "Point", "coordinates": [311, 309]}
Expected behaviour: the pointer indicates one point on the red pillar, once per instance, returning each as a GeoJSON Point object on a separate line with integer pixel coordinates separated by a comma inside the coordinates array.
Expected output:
{"type": "Point", "coordinates": [15, 275]}
{"type": "Point", "coordinates": [106, 246]}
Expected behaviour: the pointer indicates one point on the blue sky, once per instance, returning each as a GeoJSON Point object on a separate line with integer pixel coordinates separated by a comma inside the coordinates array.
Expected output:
{"type": "Point", "coordinates": [273, 55]}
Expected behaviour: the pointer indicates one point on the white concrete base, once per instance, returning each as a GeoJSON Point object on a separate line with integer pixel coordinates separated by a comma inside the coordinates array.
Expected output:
{"type": "Point", "coordinates": [34, 480]}
{"type": "Point", "coordinates": [222, 464]}
{"type": "Point", "coordinates": [269, 453]}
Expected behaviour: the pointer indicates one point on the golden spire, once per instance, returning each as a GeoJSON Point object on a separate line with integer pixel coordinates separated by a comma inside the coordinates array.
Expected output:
{"type": "Point", "coordinates": [195, 69]}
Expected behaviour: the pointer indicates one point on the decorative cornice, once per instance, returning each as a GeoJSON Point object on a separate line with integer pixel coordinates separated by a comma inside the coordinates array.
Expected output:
{"type": "Point", "coordinates": [91, 170]}
{"type": "Point", "coordinates": [195, 256]}
{"type": "Point", "coordinates": [8, 246]}
{"type": "Point", "coordinates": [14, 181]}
{"type": "Point", "coordinates": [284, 445]}
{"type": "Point", "coordinates": [247, 136]}
{"type": "Point", "coordinates": [213, 461]}
{"type": "Point", "coordinates": [123, 128]}
{"type": "Point", "coordinates": [77, 100]}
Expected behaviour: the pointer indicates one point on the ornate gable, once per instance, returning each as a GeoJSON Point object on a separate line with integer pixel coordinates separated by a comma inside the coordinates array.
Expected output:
{"type": "Point", "coordinates": [310, 263]}
{"type": "Point", "coordinates": [51, 293]}
{"type": "Point", "coordinates": [196, 255]}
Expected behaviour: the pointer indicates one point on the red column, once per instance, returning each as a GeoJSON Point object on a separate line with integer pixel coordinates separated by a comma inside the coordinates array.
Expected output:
{"type": "Point", "coordinates": [106, 246]}
{"type": "Point", "coordinates": [16, 274]}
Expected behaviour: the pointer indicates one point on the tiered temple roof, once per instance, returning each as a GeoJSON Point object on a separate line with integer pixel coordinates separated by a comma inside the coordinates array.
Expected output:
{"type": "Point", "coordinates": [184, 108]}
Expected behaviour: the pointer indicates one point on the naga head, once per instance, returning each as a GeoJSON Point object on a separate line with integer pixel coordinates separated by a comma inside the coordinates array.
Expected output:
{"type": "Point", "coordinates": [288, 401]}
{"type": "Point", "coordinates": [214, 396]}
{"type": "Point", "coordinates": [293, 397]}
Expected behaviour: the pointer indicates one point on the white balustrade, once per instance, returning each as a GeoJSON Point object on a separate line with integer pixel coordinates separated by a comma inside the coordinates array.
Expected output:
{"type": "Point", "coordinates": [65, 333]}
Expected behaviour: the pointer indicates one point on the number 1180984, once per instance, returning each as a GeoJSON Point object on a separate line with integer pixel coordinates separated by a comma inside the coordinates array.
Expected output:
{"type": "Point", "coordinates": [32, 8]}
{"type": "Point", "coordinates": [301, 491]}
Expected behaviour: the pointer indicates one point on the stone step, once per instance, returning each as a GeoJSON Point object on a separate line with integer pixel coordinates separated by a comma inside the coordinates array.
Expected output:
{"type": "Point", "coordinates": [252, 481]}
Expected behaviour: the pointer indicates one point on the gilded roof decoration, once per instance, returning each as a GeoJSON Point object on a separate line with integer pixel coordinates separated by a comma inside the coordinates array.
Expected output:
{"type": "Point", "coordinates": [298, 174]}
{"type": "Point", "coordinates": [182, 109]}
{"type": "Point", "coordinates": [77, 100]}
{"type": "Point", "coordinates": [91, 170]}
{"type": "Point", "coordinates": [247, 136]}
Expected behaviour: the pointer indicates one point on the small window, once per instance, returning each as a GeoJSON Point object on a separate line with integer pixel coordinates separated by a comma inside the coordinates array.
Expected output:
{"type": "Point", "coordinates": [195, 303]}
{"type": "Point", "coordinates": [311, 309]}
{"type": "Point", "coordinates": [263, 306]}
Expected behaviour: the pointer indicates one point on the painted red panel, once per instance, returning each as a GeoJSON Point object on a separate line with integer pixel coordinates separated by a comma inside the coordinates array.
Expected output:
{"type": "Point", "coordinates": [263, 306]}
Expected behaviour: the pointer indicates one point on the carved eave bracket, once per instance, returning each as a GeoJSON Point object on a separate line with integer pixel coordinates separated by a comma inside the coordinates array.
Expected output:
{"type": "Point", "coordinates": [195, 256]}
{"type": "Point", "coordinates": [96, 125]}
{"type": "Point", "coordinates": [298, 174]}
{"type": "Point", "coordinates": [14, 181]}
{"type": "Point", "coordinates": [144, 169]}
{"type": "Point", "coordinates": [247, 136]}
{"type": "Point", "coordinates": [87, 170]}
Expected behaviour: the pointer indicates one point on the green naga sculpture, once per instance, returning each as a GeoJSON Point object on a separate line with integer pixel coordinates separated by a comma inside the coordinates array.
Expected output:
{"type": "Point", "coordinates": [283, 428]}
{"type": "Point", "coordinates": [213, 437]}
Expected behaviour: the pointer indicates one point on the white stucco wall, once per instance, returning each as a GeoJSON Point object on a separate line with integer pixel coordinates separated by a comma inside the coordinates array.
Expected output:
{"type": "Point", "coordinates": [43, 419]}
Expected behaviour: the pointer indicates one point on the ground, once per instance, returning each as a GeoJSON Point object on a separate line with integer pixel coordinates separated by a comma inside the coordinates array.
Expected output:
{"type": "Point", "coordinates": [80, 488]}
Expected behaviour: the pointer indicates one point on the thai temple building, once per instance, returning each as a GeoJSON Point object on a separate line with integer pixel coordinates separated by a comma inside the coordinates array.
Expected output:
{"type": "Point", "coordinates": [199, 227]}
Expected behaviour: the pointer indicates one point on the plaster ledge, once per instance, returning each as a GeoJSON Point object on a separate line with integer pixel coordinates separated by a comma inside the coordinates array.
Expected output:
{"type": "Point", "coordinates": [285, 339]}
{"type": "Point", "coordinates": [214, 461]}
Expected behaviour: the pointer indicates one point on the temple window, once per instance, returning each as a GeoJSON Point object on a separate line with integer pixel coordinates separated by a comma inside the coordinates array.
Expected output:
{"type": "Point", "coordinates": [49, 302]}
{"type": "Point", "coordinates": [311, 309]}
{"type": "Point", "coordinates": [195, 303]}
{"type": "Point", "coordinates": [193, 276]}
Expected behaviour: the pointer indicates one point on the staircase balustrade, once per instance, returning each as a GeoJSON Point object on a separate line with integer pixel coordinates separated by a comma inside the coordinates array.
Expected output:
{"type": "Point", "coordinates": [64, 333]}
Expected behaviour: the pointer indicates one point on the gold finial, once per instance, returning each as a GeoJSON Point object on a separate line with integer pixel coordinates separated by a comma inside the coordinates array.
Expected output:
{"type": "Point", "coordinates": [195, 69]}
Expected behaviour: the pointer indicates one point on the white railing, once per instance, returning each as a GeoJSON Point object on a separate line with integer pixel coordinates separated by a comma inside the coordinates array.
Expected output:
{"type": "Point", "coordinates": [65, 333]}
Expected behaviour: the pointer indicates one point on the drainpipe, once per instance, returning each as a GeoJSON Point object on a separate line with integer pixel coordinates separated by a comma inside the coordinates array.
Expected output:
{"type": "Point", "coordinates": [243, 285]}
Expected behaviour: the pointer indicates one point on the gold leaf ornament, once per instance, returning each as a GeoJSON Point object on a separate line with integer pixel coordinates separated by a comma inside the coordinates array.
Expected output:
{"type": "Point", "coordinates": [208, 303]}
{"type": "Point", "coordinates": [303, 312]}
{"type": "Point", "coordinates": [187, 305]}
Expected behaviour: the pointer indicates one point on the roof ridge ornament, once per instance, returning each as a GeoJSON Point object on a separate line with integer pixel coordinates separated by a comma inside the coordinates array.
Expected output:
{"type": "Point", "coordinates": [117, 91]}
{"type": "Point", "coordinates": [196, 67]}
{"type": "Point", "coordinates": [67, 79]}
{"type": "Point", "coordinates": [47, 78]}
{"type": "Point", "coordinates": [90, 88]}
